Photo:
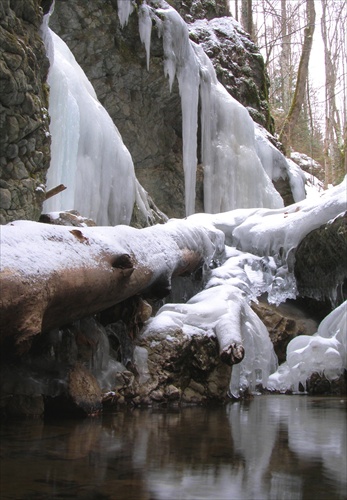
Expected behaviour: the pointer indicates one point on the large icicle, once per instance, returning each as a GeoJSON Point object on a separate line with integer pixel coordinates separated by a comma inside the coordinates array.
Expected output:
{"type": "Point", "coordinates": [233, 173]}
{"type": "Point", "coordinates": [88, 154]}
{"type": "Point", "coordinates": [180, 61]}
{"type": "Point", "coordinates": [145, 29]}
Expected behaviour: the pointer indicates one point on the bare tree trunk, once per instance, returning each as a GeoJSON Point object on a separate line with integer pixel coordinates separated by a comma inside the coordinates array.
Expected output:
{"type": "Point", "coordinates": [299, 94]}
{"type": "Point", "coordinates": [285, 58]}
{"type": "Point", "coordinates": [333, 145]}
{"type": "Point", "coordinates": [247, 16]}
{"type": "Point", "coordinates": [53, 275]}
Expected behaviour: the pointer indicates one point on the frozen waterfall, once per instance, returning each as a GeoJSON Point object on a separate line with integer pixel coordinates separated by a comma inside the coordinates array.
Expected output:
{"type": "Point", "coordinates": [239, 164]}
{"type": "Point", "coordinates": [87, 155]}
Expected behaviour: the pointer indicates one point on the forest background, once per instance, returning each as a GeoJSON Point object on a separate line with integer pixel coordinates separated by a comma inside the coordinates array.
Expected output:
{"type": "Point", "coordinates": [304, 43]}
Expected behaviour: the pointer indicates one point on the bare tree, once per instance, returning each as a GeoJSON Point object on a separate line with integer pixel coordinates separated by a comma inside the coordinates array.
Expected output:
{"type": "Point", "coordinates": [332, 36]}
{"type": "Point", "coordinates": [299, 94]}
{"type": "Point", "coordinates": [247, 16]}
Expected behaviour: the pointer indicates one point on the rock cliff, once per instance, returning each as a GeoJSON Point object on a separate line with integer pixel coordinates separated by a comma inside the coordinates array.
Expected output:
{"type": "Point", "coordinates": [24, 121]}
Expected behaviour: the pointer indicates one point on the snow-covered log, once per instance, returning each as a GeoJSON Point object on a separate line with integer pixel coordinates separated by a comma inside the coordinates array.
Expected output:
{"type": "Point", "coordinates": [230, 352]}
{"type": "Point", "coordinates": [52, 275]}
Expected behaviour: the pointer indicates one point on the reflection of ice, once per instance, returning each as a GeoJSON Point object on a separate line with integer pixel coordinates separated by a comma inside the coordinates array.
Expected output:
{"type": "Point", "coordinates": [272, 447]}
{"type": "Point", "coordinates": [254, 429]}
{"type": "Point", "coordinates": [193, 485]}
{"type": "Point", "coordinates": [319, 434]}
{"type": "Point", "coordinates": [285, 487]}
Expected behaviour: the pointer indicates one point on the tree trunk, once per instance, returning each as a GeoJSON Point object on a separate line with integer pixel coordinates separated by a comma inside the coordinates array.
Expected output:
{"type": "Point", "coordinates": [333, 144]}
{"type": "Point", "coordinates": [247, 16]}
{"type": "Point", "coordinates": [285, 62]}
{"type": "Point", "coordinates": [54, 275]}
{"type": "Point", "coordinates": [299, 94]}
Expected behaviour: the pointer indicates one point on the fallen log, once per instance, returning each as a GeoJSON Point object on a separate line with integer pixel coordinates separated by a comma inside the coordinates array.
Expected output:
{"type": "Point", "coordinates": [53, 275]}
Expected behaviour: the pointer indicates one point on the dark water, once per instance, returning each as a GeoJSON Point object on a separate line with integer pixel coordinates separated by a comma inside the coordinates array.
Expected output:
{"type": "Point", "coordinates": [273, 447]}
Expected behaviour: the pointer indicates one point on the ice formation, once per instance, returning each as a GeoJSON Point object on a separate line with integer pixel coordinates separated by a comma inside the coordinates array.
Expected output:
{"type": "Point", "coordinates": [324, 353]}
{"type": "Point", "coordinates": [239, 164]}
{"type": "Point", "coordinates": [277, 166]}
{"type": "Point", "coordinates": [88, 155]}
{"type": "Point", "coordinates": [234, 175]}
{"type": "Point", "coordinates": [258, 259]}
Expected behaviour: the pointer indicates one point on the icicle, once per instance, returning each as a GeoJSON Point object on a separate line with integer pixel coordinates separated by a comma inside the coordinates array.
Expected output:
{"type": "Point", "coordinates": [180, 60]}
{"type": "Point", "coordinates": [88, 154]}
{"type": "Point", "coordinates": [125, 8]}
{"type": "Point", "coordinates": [145, 29]}
{"type": "Point", "coordinates": [277, 166]}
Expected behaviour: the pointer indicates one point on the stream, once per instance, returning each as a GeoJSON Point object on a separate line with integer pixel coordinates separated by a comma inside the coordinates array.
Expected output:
{"type": "Point", "coordinates": [271, 447]}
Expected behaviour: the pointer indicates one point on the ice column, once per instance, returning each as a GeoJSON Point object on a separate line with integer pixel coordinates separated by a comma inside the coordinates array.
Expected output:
{"type": "Point", "coordinates": [88, 154]}
{"type": "Point", "coordinates": [180, 61]}
{"type": "Point", "coordinates": [145, 29]}
{"type": "Point", "coordinates": [233, 174]}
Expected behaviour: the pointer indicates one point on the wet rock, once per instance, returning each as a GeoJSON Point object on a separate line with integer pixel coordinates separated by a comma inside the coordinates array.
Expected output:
{"type": "Point", "coordinates": [318, 384]}
{"type": "Point", "coordinates": [84, 390]}
{"type": "Point", "coordinates": [284, 323]}
{"type": "Point", "coordinates": [82, 395]}
{"type": "Point", "coordinates": [321, 263]}
{"type": "Point", "coordinates": [67, 218]}
{"type": "Point", "coordinates": [184, 369]}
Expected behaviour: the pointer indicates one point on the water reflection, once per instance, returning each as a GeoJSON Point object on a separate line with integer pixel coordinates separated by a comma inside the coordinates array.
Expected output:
{"type": "Point", "coordinates": [273, 447]}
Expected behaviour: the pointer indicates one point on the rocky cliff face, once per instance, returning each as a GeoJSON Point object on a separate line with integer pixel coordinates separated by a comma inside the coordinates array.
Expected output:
{"type": "Point", "coordinates": [24, 122]}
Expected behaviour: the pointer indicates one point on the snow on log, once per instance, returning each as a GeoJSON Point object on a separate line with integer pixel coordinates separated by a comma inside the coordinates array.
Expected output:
{"type": "Point", "coordinates": [231, 350]}
{"type": "Point", "coordinates": [52, 275]}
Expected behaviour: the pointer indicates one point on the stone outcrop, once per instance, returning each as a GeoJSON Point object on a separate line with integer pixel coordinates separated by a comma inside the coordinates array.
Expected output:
{"type": "Point", "coordinates": [24, 121]}
{"type": "Point", "coordinates": [284, 323]}
{"type": "Point", "coordinates": [321, 263]}
{"type": "Point", "coordinates": [238, 64]}
{"type": "Point", "coordinates": [201, 9]}
{"type": "Point", "coordinates": [176, 370]}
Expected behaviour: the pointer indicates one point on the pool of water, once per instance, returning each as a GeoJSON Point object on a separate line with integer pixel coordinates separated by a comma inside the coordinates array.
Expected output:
{"type": "Point", "coordinates": [272, 447]}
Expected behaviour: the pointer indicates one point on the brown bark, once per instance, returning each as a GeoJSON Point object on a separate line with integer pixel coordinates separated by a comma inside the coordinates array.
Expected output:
{"type": "Point", "coordinates": [299, 94]}
{"type": "Point", "coordinates": [56, 190]}
{"type": "Point", "coordinates": [53, 275]}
